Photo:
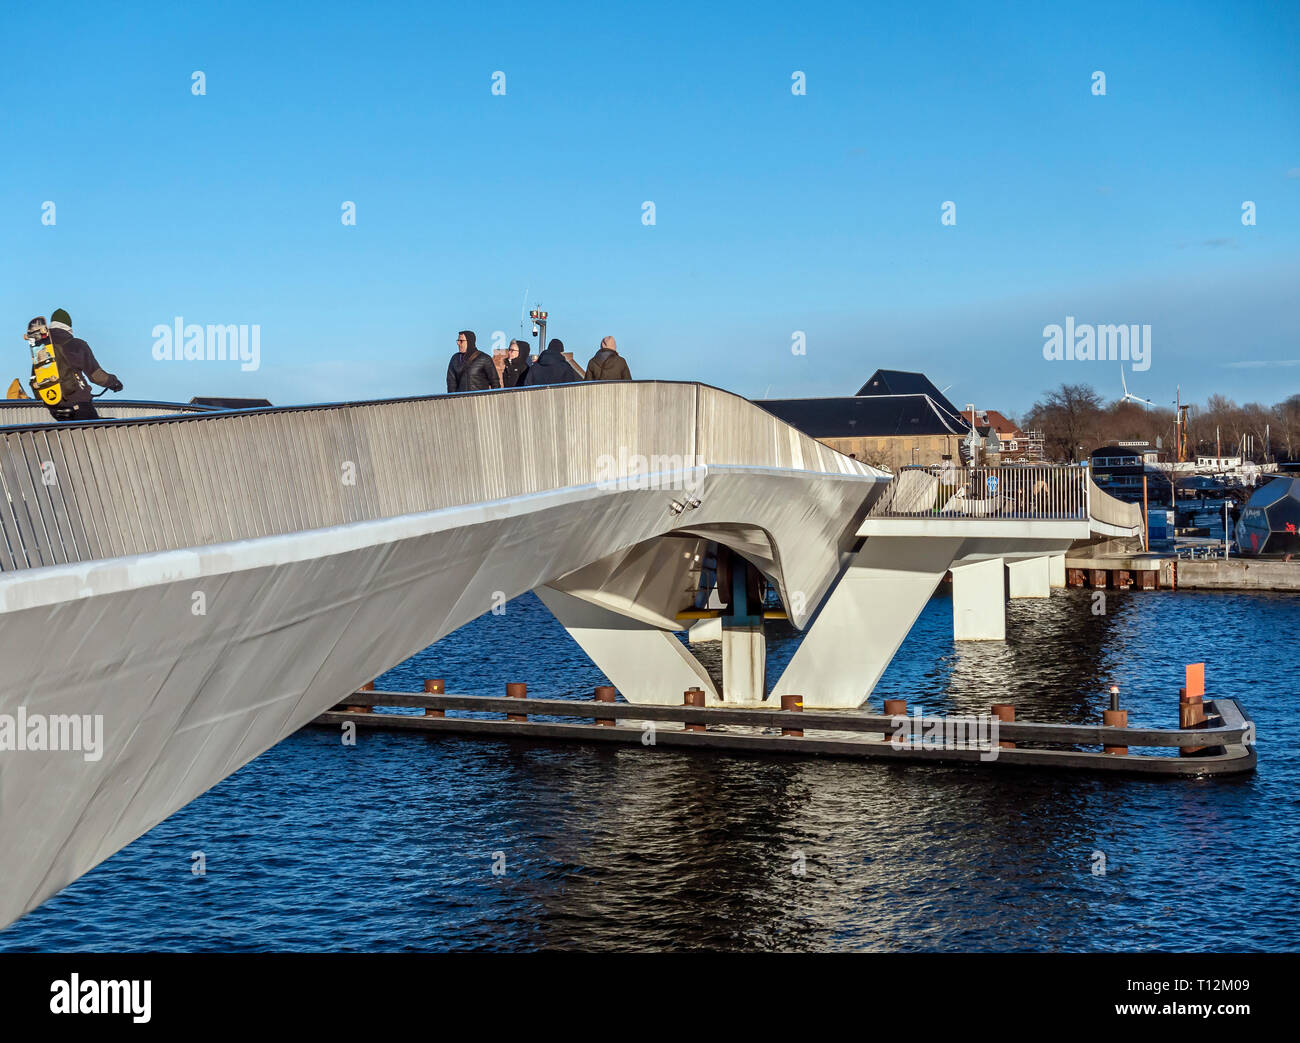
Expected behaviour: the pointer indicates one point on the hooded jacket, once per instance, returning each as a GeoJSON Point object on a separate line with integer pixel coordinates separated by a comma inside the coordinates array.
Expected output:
{"type": "Point", "coordinates": [471, 369]}
{"type": "Point", "coordinates": [516, 370]}
{"type": "Point", "coordinates": [551, 367]}
{"type": "Point", "coordinates": [607, 363]}
{"type": "Point", "coordinates": [77, 363]}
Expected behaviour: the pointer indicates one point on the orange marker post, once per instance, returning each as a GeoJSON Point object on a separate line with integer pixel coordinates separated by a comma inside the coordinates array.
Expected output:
{"type": "Point", "coordinates": [1191, 705]}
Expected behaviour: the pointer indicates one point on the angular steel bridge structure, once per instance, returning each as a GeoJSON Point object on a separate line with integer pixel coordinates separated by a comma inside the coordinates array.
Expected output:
{"type": "Point", "coordinates": [209, 582]}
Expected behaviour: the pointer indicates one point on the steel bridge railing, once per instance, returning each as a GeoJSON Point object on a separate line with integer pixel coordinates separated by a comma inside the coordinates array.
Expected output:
{"type": "Point", "coordinates": [23, 412]}
{"type": "Point", "coordinates": [102, 489]}
{"type": "Point", "coordinates": [1022, 493]}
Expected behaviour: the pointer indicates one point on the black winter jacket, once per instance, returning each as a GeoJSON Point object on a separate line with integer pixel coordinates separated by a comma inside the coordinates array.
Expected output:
{"type": "Point", "coordinates": [515, 372]}
{"type": "Point", "coordinates": [551, 367]}
{"type": "Point", "coordinates": [471, 370]}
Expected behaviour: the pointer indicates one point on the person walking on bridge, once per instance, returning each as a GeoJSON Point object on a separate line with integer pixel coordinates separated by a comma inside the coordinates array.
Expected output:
{"type": "Point", "coordinates": [516, 365]}
{"type": "Point", "coordinates": [551, 367]}
{"type": "Point", "coordinates": [470, 369]}
{"type": "Point", "coordinates": [607, 363]}
{"type": "Point", "coordinates": [61, 366]}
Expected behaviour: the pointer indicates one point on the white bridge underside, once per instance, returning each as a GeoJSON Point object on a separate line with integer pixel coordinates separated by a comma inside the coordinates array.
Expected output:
{"type": "Point", "coordinates": [294, 617]}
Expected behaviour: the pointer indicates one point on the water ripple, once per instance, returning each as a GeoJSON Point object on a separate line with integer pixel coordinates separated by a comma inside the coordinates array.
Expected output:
{"type": "Point", "coordinates": [390, 845]}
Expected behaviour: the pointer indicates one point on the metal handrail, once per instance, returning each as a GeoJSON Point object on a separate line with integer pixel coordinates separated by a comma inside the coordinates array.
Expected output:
{"type": "Point", "coordinates": [1014, 492]}
{"type": "Point", "coordinates": [28, 412]}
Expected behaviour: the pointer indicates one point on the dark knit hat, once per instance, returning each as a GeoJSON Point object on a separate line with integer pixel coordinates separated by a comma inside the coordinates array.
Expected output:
{"type": "Point", "coordinates": [555, 345]}
{"type": "Point", "coordinates": [59, 315]}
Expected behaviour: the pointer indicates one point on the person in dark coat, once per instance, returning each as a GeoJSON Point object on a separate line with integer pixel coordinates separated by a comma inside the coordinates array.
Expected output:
{"type": "Point", "coordinates": [470, 369]}
{"type": "Point", "coordinates": [77, 364]}
{"type": "Point", "coordinates": [516, 365]}
{"type": "Point", "coordinates": [551, 367]}
{"type": "Point", "coordinates": [607, 363]}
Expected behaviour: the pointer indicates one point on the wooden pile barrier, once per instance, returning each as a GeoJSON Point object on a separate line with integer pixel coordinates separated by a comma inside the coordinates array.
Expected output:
{"type": "Point", "coordinates": [1215, 736]}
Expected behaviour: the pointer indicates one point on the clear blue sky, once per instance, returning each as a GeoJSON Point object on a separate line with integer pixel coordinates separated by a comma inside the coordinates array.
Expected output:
{"type": "Point", "coordinates": [775, 212]}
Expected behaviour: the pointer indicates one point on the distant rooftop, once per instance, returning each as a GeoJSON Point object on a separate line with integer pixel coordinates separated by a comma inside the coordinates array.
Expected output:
{"type": "Point", "coordinates": [872, 416]}
{"type": "Point", "coordinates": [995, 421]}
{"type": "Point", "coordinates": [901, 382]}
{"type": "Point", "coordinates": [230, 403]}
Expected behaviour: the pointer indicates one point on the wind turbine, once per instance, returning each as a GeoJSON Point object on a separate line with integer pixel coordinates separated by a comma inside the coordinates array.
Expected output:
{"type": "Point", "coordinates": [1128, 395]}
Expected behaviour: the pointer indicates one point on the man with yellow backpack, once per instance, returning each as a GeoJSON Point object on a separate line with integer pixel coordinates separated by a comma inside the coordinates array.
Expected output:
{"type": "Point", "coordinates": [61, 365]}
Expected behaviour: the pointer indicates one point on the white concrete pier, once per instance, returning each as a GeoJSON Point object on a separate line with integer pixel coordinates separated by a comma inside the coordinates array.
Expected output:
{"type": "Point", "coordinates": [979, 608]}
{"type": "Point", "coordinates": [1029, 577]}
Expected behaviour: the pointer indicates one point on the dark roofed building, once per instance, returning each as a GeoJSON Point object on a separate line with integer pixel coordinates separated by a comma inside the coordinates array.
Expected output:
{"type": "Point", "coordinates": [1120, 469]}
{"type": "Point", "coordinates": [1120, 458]}
{"type": "Point", "coordinates": [901, 382]}
{"type": "Point", "coordinates": [876, 416]}
{"type": "Point", "coordinates": [881, 429]}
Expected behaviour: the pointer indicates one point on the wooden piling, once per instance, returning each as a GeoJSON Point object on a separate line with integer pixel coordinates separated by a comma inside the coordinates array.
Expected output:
{"type": "Point", "coordinates": [1191, 705]}
{"type": "Point", "coordinates": [369, 686]}
{"type": "Point", "coordinates": [1191, 714]}
{"type": "Point", "coordinates": [693, 697]}
{"type": "Point", "coordinates": [605, 693]}
{"type": "Point", "coordinates": [1115, 719]}
{"type": "Point", "coordinates": [795, 703]}
{"type": "Point", "coordinates": [516, 690]}
{"type": "Point", "coordinates": [435, 686]}
{"type": "Point", "coordinates": [894, 708]}
{"type": "Point", "coordinates": [1004, 712]}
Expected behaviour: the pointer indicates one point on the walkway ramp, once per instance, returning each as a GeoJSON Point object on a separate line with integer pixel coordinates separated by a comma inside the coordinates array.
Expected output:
{"type": "Point", "coordinates": [205, 584]}
{"type": "Point", "coordinates": [999, 531]}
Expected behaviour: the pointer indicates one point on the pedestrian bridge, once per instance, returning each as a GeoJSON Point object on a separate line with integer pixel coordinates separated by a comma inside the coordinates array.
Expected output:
{"type": "Point", "coordinates": [207, 583]}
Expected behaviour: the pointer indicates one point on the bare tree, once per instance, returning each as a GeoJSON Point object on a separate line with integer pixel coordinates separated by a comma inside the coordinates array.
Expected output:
{"type": "Point", "coordinates": [1068, 417]}
{"type": "Point", "coordinates": [1286, 426]}
{"type": "Point", "coordinates": [1075, 420]}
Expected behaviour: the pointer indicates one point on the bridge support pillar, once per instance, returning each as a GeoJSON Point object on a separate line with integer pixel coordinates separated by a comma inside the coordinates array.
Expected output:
{"type": "Point", "coordinates": [704, 630]}
{"type": "Point", "coordinates": [645, 663]}
{"type": "Point", "coordinates": [744, 662]}
{"type": "Point", "coordinates": [1056, 571]}
{"type": "Point", "coordinates": [1030, 578]}
{"type": "Point", "coordinates": [864, 619]}
{"type": "Point", "coordinates": [979, 610]}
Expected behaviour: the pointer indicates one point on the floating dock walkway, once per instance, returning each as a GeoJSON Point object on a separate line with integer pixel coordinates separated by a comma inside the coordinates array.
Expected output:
{"type": "Point", "coordinates": [1217, 739]}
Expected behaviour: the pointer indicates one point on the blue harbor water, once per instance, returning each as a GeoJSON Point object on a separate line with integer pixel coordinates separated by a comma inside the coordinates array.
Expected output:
{"type": "Point", "coordinates": [390, 845]}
